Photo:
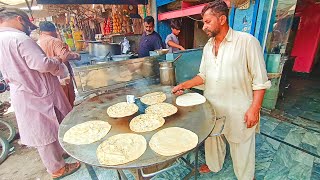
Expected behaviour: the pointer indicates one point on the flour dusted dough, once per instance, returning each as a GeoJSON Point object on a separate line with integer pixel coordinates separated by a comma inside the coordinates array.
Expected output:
{"type": "Point", "coordinates": [146, 122]}
{"type": "Point", "coordinates": [87, 133]}
{"type": "Point", "coordinates": [153, 98]}
{"type": "Point", "coordinates": [121, 149]}
{"type": "Point", "coordinates": [122, 109]}
{"type": "Point", "coordinates": [190, 99]}
{"type": "Point", "coordinates": [162, 109]}
{"type": "Point", "coordinates": [172, 141]}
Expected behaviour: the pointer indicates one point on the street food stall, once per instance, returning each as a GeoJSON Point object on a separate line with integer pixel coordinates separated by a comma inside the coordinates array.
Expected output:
{"type": "Point", "coordinates": [102, 80]}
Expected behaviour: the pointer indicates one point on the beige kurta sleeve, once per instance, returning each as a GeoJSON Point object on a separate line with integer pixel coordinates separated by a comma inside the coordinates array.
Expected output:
{"type": "Point", "coordinates": [61, 50]}
{"type": "Point", "coordinates": [202, 68]}
{"type": "Point", "coordinates": [256, 65]}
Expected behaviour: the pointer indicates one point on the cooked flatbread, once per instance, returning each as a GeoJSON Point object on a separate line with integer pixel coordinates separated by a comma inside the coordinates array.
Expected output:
{"type": "Point", "coordinates": [153, 98]}
{"type": "Point", "coordinates": [190, 99]}
{"type": "Point", "coordinates": [172, 141]}
{"type": "Point", "coordinates": [87, 133]}
{"type": "Point", "coordinates": [146, 122]}
{"type": "Point", "coordinates": [121, 149]}
{"type": "Point", "coordinates": [122, 109]}
{"type": "Point", "coordinates": [162, 109]}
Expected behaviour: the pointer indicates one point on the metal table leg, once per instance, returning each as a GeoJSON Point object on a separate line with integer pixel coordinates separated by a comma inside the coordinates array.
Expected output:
{"type": "Point", "coordinates": [196, 161]}
{"type": "Point", "coordinates": [121, 175]}
{"type": "Point", "coordinates": [91, 172]}
{"type": "Point", "coordinates": [194, 169]}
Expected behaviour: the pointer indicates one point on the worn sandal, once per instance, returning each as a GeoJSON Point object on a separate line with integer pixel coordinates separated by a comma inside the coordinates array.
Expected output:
{"type": "Point", "coordinates": [66, 170]}
{"type": "Point", "coordinates": [204, 169]}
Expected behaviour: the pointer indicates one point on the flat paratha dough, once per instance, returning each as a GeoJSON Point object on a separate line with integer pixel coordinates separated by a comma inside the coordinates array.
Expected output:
{"type": "Point", "coordinates": [122, 109]}
{"type": "Point", "coordinates": [146, 122]}
{"type": "Point", "coordinates": [162, 109]}
{"type": "Point", "coordinates": [172, 141]}
{"type": "Point", "coordinates": [190, 99]}
{"type": "Point", "coordinates": [153, 98]}
{"type": "Point", "coordinates": [121, 149]}
{"type": "Point", "coordinates": [87, 133]}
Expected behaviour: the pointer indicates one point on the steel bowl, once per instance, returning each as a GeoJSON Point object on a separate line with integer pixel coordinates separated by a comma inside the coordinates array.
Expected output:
{"type": "Point", "coordinates": [161, 51]}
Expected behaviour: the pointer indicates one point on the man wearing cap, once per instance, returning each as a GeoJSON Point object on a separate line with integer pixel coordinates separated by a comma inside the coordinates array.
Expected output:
{"type": "Point", "coordinates": [35, 91]}
{"type": "Point", "coordinates": [54, 47]}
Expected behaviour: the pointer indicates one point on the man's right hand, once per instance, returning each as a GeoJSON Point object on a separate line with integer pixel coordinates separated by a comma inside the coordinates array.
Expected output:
{"type": "Point", "coordinates": [74, 56]}
{"type": "Point", "coordinates": [178, 90]}
{"type": "Point", "coordinates": [77, 56]}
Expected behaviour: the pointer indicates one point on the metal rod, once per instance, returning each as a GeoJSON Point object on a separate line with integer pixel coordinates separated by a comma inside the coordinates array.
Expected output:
{"type": "Point", "coordinates": [176, 58]}
{"type": "Point", "coordinates": [119, 176]}
{"type": "Point", "coordinates": [267, 27]}
{"type": "Point", "coordinates": [29, 7]}
{"type": "Point", "coordinates": [196, 161]}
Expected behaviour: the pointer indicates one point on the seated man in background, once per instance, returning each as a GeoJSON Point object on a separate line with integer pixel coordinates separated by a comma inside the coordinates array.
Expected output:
{"type": "Point", "coordinates": [54, 47]}
{"type": "Point", "coordinates": [150, 40]}
{"type": "Point", "coordinates": [172, 41]}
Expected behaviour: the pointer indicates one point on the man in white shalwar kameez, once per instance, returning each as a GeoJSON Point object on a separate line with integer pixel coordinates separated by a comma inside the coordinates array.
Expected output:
{"type": "Point", "coordinates": [235, 78]}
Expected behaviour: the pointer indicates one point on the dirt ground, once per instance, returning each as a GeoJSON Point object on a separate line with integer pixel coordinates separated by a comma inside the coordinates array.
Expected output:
{"type": "Point", "coordinates": [24, 162]}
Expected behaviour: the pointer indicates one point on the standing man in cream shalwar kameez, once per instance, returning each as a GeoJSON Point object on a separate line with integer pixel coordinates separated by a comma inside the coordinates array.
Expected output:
{"type": "Point", "coordinates": [235, 78]}
{"type": "Point", "coordinates": [35, 91]}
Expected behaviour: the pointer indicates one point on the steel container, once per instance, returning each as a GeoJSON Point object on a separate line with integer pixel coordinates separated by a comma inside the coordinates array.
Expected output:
{"type": "Point", "coordinates": [167, 74]}
{"type": "Point", "coordinates": [100, 50]}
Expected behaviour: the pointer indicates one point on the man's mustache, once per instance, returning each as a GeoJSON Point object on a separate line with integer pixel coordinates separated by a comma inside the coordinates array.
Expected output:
{"type": "Point", "coordinates": [206, 30]}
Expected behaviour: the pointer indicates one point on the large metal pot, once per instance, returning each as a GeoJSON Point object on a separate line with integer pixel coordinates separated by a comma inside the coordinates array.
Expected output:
{"type": "Point", "coordinates": [100, 50]}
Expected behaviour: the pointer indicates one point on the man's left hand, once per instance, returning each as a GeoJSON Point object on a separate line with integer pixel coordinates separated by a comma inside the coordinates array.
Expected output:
{"type": "Point", "coordinates": [252, 117]}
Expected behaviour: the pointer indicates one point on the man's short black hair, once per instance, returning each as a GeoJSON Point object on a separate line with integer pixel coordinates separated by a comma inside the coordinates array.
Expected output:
{"type": "Point", "coordinates": [47, 26]}
{"type": "Point", "coordinates": [175, 24]}
{"type": "Point", "coordinates": [217, 7]}
{"type": "Point", "coordinates": [149, 19]}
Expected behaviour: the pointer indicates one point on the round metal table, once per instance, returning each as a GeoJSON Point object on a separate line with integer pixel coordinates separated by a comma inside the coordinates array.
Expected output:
{"type": "Point", "coordinates": [200, 119]}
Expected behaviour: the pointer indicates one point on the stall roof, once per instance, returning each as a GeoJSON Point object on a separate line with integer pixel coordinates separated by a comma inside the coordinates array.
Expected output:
{"type": "Point", "coordinates": [181, 12]}
{"type": "Point", "coordinates": [133, 2]}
